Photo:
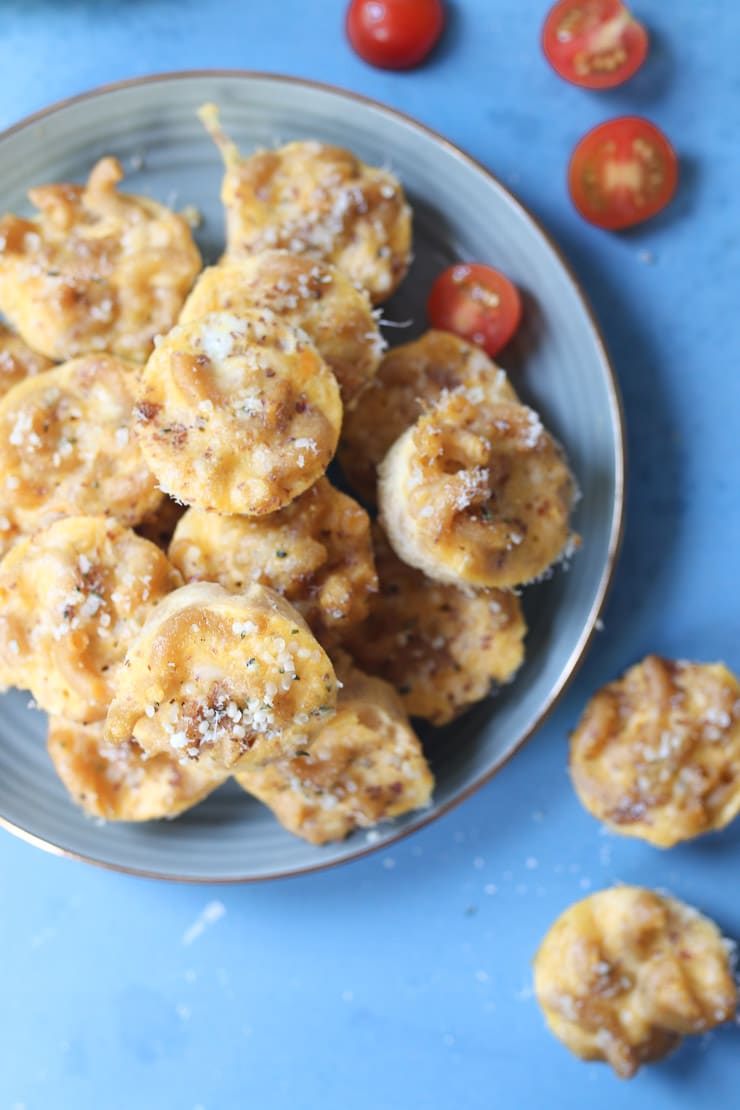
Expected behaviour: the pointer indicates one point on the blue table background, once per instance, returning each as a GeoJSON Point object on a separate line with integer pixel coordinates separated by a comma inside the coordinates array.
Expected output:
{"type": "Point", "coordinates": [403, 980]}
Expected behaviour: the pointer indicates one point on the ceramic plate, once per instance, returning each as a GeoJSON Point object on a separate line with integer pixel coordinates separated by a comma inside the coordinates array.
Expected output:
{"type": "Point", "coordinates": [558, 363]}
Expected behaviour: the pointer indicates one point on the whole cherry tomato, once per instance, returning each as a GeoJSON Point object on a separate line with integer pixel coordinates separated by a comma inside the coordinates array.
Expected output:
{"type": "Point", "coordinates": [394, 34]}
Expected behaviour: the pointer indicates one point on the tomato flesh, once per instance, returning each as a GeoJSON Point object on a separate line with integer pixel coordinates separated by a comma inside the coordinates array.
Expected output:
{"type": "Point", "coordinates": [622, 172]}
{"type": "Point", "coordinates": [394, 34]}
{"type": "Point", "coordinates": [477, 303]}
{"type": "Point", "coordinates": [596, 44]}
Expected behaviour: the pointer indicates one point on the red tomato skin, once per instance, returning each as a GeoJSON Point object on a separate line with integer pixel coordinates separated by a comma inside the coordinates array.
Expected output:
{"type": "Point", "coordinates": [571, 60]}
{"type": "Point", "coordinates": [626, 212]}
{"type": "Point", "coordinates": [452, 307]}
{"type": "Point", "coordinates": [394, 34]}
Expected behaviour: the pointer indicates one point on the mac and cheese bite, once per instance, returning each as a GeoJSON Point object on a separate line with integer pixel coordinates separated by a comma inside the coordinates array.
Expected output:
{"type": "Point", "coordinates": [96, 270]}
{"type": "Point", "coordinates": [656, 754]}
{"type": "Point", "coordinates": [237, 414]}
{"type": "Point", "coordinates": [477, 492]}
{"type": "Point", "coordinates": [222, 680]}
{"type": "Point", "coordinates": [72, 598]}
{"type": "Point", "coordinates": [364, 766]}
{"type": "Point", "coordinates": [119, 782]}
{"type": "Point", "coordinates": [67, 446]}
{"type": "Point", "coordinates": [441, 647]}
{"type": "Point", "coordinates": [623, 975]}
{"type": "Point", "coordinates": [316, 552]}
{"type": "Point", "coordinates": [316, 199]}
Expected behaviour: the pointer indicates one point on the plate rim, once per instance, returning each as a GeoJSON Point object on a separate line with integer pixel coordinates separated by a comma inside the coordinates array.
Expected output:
{"type": "Point", "coordinates": [617, 522]}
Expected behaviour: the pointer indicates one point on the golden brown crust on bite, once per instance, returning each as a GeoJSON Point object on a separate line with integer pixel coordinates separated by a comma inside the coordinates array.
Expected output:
{"type": "Point", "coordinates": [410, 379]}
{"type": "Point", "coordinates": [316, 552]}
{"type": "Point", "coordinates": [303, 292]}
{"type": "Point", "coordinates": [311, 198]}
{"type": "Point", "coordinates": [624, 974]}
{"type": "Point", "coordinates": [238, 414]}
{"type": "Point", "coordinates": [477, 492]}
{"type": "Point", "coordinates": [72, 597]}
{"type": "Point", "coordinates": [657, 753]}
{"type": "Point", "coordinates": [441, 647]}
{"type": "Point", "coordinates": [67, 446]}
{"type": "Point", "coordinates": [222, 680]}
{"type": "Point", "coordinates": [118, 782]}
{"type": "Point", "coordinates": [17, 360]}
{"type": "Point", "coordinates": [97, 270]}
{"type": "Point", "coordinates": [364, 766]}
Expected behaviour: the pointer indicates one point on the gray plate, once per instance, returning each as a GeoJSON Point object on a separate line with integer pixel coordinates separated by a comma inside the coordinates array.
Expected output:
{"type": "Point", "coordinates": [558, 362]}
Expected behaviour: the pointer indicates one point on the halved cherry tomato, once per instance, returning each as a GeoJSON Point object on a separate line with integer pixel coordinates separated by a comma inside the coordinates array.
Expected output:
{"type": "Point", "coordinates": [622, 172]}
{"type": "Point", "coordinates": [394, 34]}
{"type": "Point", "coordinates": [477, 303]}
{"type": "Point", "coordinates": [594, 43]}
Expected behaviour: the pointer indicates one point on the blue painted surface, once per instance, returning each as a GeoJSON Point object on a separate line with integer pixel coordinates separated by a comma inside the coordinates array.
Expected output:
{"type": "Point", "coordinates": [403, 980]}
